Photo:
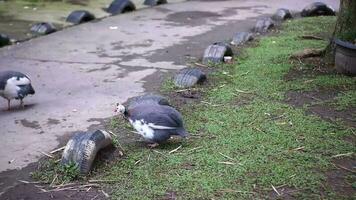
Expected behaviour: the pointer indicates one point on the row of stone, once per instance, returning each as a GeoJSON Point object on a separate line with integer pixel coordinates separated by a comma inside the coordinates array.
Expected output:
{"type": "Point", "coordinates": [81, 16]}
{"type": "Point", "coordinates": [220, 52]}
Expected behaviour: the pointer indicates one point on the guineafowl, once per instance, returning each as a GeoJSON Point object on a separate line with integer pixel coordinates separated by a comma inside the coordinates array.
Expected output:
{"type": "Point", "coordinates": [15, 85]}
{"type": "Point", "coordinates": [156, 123]}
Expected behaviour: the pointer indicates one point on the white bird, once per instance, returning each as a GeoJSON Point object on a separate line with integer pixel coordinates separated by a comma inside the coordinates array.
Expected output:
{"type": "Point", "coordinates": [15, 85]}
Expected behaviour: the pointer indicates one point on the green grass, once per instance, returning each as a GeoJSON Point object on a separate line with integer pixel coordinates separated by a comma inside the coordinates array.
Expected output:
{"type": "Point", "coordinates": [258, 141]}
{"type": "Point", "coordinates": [246, 138]}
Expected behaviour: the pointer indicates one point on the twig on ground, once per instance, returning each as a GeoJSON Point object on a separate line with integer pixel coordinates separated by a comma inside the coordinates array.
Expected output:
{"type": "Point", "coordinates": [46, 154]}
{"type": "Point", "coordinates": [200, 65]}
{"type": "Point", "coordinates": [311, 37]}
{"type": "Point", "coordinates": [236, 191]}
{"type": "Point", "coordinates": [111, 133]}
{"type": "Point", "coordinates": [276, 190]}
{"type": "Point", "coordinates": [342, 154]}
{"type": "Point", "coordinates": [54, 179]}
{"type": "Point", "coordinates": [242, 91]}
{"type": "Point", "coordinates": [94, 197]}
{"type": "Point", "coordinates": [72, 187]}
{"type": "Point", "coordinates": [227, 163]}
{"type": "Point", "coordinates": [56, 150]}
{"type": "Point", "coordinates": [228, 157]}
{"type": "Point", "coordinates": [299, 148]}
{"type": "Point", "coordinates": [176, 149]}
{"type": "Point", "coordinates": [244, 74]}
{"type": "Point", "coordinates": [102, 181]}
{"type": "Point", "coordinates": [105, 194]}
{"type": "Point", "coordinates": [137, 162]}
{"type": "Point", "coordinates": [258, 129]}
{"type": "Point", "coordinates": [63, 185]}
{"type": "Point", "coordinates": [344, 168]}
{"type": "Point", "coordinates": [306, 53]}
{"type": "Point", "coordinates": [30, 182]}
{"type": "Point", "coordinates": [195, 148]}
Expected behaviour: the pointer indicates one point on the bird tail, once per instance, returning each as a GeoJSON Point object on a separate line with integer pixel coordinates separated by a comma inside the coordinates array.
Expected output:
{"type": "Point", "coordinates": [182, 132]}
{"type": "Point", "coordinates": [31, 90]}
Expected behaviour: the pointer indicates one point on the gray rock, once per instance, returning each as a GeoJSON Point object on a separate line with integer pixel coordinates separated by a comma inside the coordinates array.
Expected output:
{"type": "Point", "coordinates": [282, 14]}
{"type": "Point", "coordinates": [189, 77]}
{"type": "Point", "coordinates": [82, 149]}
{"type": "Point", "coordinates": [80, 16]}
{"type": "Point", "coordinates": [241, 37]}
{"type": "Point", "coordinates": [121, 6]}
{"type": "Point", "coordinates": [43, 28]}
{"type": "Point", "coordinates": [4, 40]}
{"type": "Point", "coordinates": [154, 2]}
{"type": "Point", "coordinates": [263, 25]}
{"type": "Point", "coordinates": [215, 53]}
{"type": "Point", "coordinates": [317, 9]}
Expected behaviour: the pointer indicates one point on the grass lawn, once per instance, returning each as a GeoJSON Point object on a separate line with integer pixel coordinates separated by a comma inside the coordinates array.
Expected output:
{"type": "Point", "coordinates": [263, 122]}
{"type": "Point", "coordinates": [246, 135]}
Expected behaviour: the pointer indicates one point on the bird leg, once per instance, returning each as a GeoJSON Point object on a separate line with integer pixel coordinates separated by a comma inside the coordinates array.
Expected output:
{"type": "Point", "coordinates": [8, 104]}
{"type": "Point", "coordinates": [152, 145]}
{"type": "Point", "coordinates": [22, 104]}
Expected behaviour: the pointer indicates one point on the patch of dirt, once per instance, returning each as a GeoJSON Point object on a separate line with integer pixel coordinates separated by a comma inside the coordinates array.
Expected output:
{"type": "Point", "coordinates": [314, 99]}
{"type": "Point", "coordinates": [341, 179]}
{"type": "Point", "coordinates": [347, 116]}
{"type": "Point", "coordinates": [33, 192]}
{"type": "Point", "coordinates": [300, 98]}
{"type": "Point", "coordinates": [284, 192]}
{"type": "Point", "coordinates": [314, 66]}
{"type": "Point", "coordinates": [170, 195]}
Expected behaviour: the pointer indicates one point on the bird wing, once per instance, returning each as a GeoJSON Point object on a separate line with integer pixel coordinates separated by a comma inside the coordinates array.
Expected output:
{"type": "Point", "coordinates": [158, 117]}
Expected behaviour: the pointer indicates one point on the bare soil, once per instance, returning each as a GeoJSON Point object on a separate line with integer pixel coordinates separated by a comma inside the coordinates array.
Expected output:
{"type": "Point", "coordinates": [341, 178]}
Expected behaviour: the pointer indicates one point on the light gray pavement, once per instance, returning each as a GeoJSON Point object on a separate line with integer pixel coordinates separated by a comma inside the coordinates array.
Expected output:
{"type": "Point", "coordinates": [80, 72]}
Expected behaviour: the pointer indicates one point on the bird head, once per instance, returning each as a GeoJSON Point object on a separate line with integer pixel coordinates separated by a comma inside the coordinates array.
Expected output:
{"type": "Point", "coordinates": [120, 108]}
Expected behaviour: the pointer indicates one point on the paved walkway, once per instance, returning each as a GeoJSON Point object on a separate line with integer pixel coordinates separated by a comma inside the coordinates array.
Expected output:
{"type": "Point", "coordinates": [80, 72]}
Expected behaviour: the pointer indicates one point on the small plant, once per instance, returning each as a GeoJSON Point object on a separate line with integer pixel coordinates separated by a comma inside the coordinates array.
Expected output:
{"type": "Point", "coordinates": [50, 171]}
{"type": "Point", "coordinates": [69, 171]}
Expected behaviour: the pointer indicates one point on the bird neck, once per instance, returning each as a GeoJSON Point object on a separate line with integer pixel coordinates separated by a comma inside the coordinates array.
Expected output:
{"type": "Point", "coordinates": [126, 113]}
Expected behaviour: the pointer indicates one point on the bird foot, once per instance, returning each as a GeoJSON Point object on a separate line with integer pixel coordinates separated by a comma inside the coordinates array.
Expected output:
{"type": "Point", "coordinates": [152, 145]}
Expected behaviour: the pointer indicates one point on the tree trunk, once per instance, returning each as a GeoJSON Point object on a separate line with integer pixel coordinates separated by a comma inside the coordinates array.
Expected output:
{"type": "Point", "coordinates": [345, 28]}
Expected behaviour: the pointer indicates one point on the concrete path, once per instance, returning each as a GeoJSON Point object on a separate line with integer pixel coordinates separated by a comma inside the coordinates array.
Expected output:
{"type": "Point", "coordinates": [81, 72]}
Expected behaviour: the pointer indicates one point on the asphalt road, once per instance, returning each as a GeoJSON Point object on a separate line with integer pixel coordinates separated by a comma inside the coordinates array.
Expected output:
{"type": "Point", "coordinates": [79, 73]}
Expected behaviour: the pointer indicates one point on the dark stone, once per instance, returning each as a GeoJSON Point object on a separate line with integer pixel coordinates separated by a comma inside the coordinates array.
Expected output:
{"type": "Point", "coordinates": [4, 40]}
{"type": "Point", "coordinates": [80, 16]}
{"type": "Point", "coordinates": [154, 2]}
{"type": "Point", "coordinates": [282, 14]}
{"type": "Point", "coordinates": [317, 9]}
{"type": "Point", "coordinates": [263, 25]}
{"type": "Point", "coordinates": [189, 77]}
{"type": "Point", "coordinates": [216, 52]}
{"type": "Point", "coordinates": [121, 6]}
{"type": "Point", "coordinates": [83, 147]}
{"type": "Point", "coordinates": [345, 57]}
{"type": "Point", "coordinates": [43, 28]}
{"type": "Point", "coordinates": [241, 37]}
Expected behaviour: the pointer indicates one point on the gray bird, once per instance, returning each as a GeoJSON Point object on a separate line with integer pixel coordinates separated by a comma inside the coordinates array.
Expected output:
{"type": "Point", "coordinates": [156, 123]}
{"type": "Point", "coordinates": [15, 85]}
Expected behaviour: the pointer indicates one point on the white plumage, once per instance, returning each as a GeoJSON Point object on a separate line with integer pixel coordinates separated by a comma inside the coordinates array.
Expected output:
{"type": "Point", "coordinates": [15, 85]}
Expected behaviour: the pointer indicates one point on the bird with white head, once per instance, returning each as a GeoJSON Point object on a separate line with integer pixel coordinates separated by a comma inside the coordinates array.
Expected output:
{"type": "Point", "coordinates": [154, 122]}
{"type": "Point", "coordinates": [15, 85]}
